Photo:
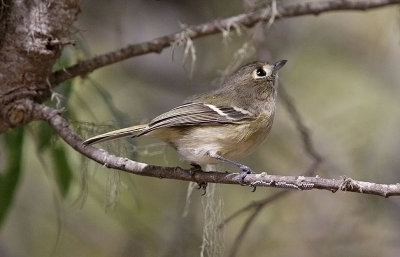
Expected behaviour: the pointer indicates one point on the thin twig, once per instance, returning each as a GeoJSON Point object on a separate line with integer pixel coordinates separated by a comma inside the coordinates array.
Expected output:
{"type": "Point", "coordinates": [243, 231]}
{"type": "Point", "coordinates": [254, 205]}
{"type": "Point", "coordinates": [213, 27]}
{"type": "Point", "coordinates": [308, 145]}
{"type": "Point", "coordinates": [54, 118]}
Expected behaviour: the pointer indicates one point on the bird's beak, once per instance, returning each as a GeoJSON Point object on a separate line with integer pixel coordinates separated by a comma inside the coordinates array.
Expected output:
{"type": "Point", "coordinates": [279, 64]}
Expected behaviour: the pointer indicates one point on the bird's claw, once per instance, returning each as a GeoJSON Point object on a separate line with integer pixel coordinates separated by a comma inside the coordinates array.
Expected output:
{"type": "Point", "coordinates": [202, 185]}
{"type": "Point", "coordinates": [195, 168]}
{"type": "Point", "coordinates": [245, 171]}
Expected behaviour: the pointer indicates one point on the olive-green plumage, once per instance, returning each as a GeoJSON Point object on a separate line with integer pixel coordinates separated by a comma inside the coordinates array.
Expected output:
{"type": "Point", "coordinates": [226, 123]}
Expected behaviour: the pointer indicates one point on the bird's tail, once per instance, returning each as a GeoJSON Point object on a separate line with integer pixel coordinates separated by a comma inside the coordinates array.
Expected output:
{"type": "Point", "coordinates": [134, 131]}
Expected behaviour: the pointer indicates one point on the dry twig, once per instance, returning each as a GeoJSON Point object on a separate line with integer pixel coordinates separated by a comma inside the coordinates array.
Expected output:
{"type": "Point", "coordinates": [214, 27]}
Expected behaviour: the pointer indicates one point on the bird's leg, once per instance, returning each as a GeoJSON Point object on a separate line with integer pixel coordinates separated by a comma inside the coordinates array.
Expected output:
{"type": "Point", "coordinates": [245, 169]}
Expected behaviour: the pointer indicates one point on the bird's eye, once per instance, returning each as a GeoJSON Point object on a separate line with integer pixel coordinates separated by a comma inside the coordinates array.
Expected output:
{"type": "Point", "coordinates": [261, 72]}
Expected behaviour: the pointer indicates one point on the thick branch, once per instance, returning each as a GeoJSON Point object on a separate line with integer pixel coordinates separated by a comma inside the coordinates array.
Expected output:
{"type": "Point", "coordinates": [54, 118]}
{"type": "Point", "coordinates": [213, 27]}
{"type": "Point", "coordinates": [32, 35]}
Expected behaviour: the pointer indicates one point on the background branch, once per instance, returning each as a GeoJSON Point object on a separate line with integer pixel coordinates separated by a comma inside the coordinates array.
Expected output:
{"type": "Point", "coordinates": [308, 144]}
{"type": "Point", "coordinates": [213, 27]}
{"type": "Point", "coordinates": [309, 149]}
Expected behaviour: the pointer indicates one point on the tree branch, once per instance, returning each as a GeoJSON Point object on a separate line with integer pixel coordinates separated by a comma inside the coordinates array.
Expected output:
{"type": "Point", "coordinates": [210, 28]}
{"type": "Point", "coordinates": [54, 118]}
{"type": "Point", "coordinates": [32, 36]}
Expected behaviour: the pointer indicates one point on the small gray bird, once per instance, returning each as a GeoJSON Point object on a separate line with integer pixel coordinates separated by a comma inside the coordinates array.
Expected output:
{"type": "Point", "coordinates": [222, 125]}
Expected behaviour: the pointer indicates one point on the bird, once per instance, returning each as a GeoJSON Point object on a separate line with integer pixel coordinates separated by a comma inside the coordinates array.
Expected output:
{"type": "Point", "coordinates": [221, 125]}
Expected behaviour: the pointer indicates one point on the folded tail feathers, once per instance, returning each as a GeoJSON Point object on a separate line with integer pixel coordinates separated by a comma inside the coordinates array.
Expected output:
{"type": "Point", "coordinates": [125, 132]}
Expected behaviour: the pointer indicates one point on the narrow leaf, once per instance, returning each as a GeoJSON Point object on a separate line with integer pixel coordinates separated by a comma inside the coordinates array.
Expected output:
{"type": "Point", "coordinates": [45, 135]}
{"type": "Point", "coordinates": [62, 169]}
{"type": "Point", "coordinates": [9, 178]}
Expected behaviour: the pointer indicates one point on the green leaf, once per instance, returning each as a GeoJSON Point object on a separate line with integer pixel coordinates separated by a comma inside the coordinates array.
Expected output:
{"type": "Point", "coordinates": [45, 135]}
{"type": "Point", "coordinates": [62, 169]}
{"type": "Point", "coordinates": [65, 59]}
{"type": "Point", "coordinates": [65, 89]}
{"type": "Point", "coordinates": [63, 172]}
{"type": "Point", "coordinates": [9, 178]}
{"type": "Point", "coordinates": [108, 101]}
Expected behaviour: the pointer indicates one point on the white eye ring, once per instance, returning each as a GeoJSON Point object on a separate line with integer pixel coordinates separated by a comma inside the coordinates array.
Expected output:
{"type": "Point", "coordinates": [261, 72]}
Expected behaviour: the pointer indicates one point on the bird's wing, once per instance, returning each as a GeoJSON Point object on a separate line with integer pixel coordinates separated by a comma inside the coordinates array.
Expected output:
{"type": "Point", "coordinates": [201, 114]}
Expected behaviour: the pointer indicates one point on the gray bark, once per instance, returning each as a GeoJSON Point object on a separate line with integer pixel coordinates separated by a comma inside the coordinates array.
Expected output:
{"type": "Point", "coordinates": [32, 35]}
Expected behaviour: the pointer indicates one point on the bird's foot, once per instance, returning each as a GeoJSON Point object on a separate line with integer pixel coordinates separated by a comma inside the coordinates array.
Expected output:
{"type": "Point", "coordinates": [195, 168]}
{"type": "Point", "coordinates": [202, 186]}
{"type": "Point", "coordinates": [245, 171]}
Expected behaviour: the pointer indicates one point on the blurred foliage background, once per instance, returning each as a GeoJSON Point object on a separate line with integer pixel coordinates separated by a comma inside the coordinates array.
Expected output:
{"type": "Point", "coordinates": [342, 74]}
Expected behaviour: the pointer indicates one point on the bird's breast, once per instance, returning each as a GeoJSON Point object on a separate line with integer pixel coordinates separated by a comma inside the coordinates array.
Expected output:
{"type": "Point", "coordinates": [233, 141]}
